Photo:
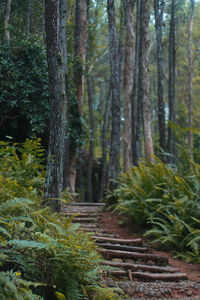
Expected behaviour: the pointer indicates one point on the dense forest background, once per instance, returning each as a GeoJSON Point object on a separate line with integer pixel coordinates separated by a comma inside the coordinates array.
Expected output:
{"type": "Point", "coordinates": [126, 100]}
{"type": "Point", "coordinates": [99, 101]}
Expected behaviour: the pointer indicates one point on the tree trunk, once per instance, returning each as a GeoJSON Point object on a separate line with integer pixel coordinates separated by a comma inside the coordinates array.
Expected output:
{"type": "Point", "coordinates": [128, 82]}
{"type": "Point", "coordinates": [190, 76]}
{"type": "Point", "coordinates": [158, 12]}
{"type": "Point", "coordinates": [63, 33]}
{"type": "Point", "coordinates": [54, 173]}
{"type": "Point", "coordinates": [80, 50]}
{"type": "Point", "coordinates": [105, 144]}
{"type": "Point", "coordinates": [30, 16]}
{"type": "Point", "coordinates": [6, 20]}
{"type": "Point", "coordinates": [135, 103]}
{"type": "Point", "coordinates": [143, 80]}
{"type": "Point", "coordinates": [172, 78]}
{"type": "Point", "coordinates": [115, 90]}
{"type": "Point", "coordinates": [91, 145]}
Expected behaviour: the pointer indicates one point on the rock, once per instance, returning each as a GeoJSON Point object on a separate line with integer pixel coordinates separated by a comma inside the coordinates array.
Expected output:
{"type": "Point", "coordinates": [118, 260]}
{"type": "Point", "coordinates": [189, 293]}
{"type": "Point", "coordinates": [130, 261]}
{"type": "Point", "coordinates": [130, 291]}
{"type": "Point", "coordinates": [150, 263]}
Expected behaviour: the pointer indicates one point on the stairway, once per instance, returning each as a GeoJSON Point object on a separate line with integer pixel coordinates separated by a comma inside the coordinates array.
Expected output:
{"type": "Point", "coordinates": [129, 259]}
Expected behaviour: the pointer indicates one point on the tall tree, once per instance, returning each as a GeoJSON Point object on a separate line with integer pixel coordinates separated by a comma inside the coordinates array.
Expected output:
{"type": "Point", "coordinates": [143, 79]}
{"type": "Point", "coordinates": [115, 92]}
{"type": "Point", "coordinates": [128, 81]}
{"type": "Point", "coordinates": [30, 16]}
{"type": "Point", "coordinates": [158, 12]}
{"type": "Point", "coordinates": [135, 103]}
{"type": "Point", "coordinates": [54, 173]}
{"type": "Point", "coordinates": [6, 20]}
{"type": "Point", "coordinates": [172, 79]}
{"type": "Point", "coordinates": [190, 76]}
{"type": "Point", "coordinates": [80, 52]}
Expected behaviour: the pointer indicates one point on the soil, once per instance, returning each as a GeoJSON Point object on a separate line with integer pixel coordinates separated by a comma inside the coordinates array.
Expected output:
{"type": "Point", "coordinates": [111, 222]}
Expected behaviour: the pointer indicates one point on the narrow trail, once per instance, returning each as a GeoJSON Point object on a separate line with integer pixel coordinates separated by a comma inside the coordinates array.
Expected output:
{"type": "Point", "coordinates": [138, 270]}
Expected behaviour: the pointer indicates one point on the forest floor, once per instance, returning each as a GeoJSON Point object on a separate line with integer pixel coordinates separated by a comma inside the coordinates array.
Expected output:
{"type": "Point", "coordinates": [111, 222]}
{"type": "Point", "coordinates": [140, 290]}
{"type": "Point", "coordinates": [136, 265]}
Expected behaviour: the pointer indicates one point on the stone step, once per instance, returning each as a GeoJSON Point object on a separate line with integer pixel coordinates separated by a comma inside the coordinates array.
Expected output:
{"type": "Point", "coordinates": [84, 220]}
{"type": "Point", "coordinates": [119, 241]}
{"type": "Point", "coordinates": [108, 254]}
{"type": "Point", "coordinates": [125, 248]}
{"type": "Point", "coordinates": [140, 267]}
{"type": "Point", "coordinates": [150, 276]}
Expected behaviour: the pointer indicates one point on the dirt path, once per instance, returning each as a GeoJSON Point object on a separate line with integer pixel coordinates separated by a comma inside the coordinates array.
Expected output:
{"type": "Point", "coordinates": [139, 271]}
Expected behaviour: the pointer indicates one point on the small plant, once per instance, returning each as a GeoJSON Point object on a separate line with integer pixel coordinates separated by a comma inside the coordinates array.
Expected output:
{"type": "Point", "coordinates": [161, 200]}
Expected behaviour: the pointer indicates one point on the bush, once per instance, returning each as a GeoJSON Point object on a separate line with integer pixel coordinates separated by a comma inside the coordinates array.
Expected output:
{"type": "Point", "coordinates": [24, 105]}
{"type": "Point", "coordinates": [42, 254]}
{"type": "Point", "coordinates": [160, 199]}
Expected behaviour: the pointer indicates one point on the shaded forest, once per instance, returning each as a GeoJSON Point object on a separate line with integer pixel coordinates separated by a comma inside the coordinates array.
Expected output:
{"type": "Point", "coordinates": [99, 101]}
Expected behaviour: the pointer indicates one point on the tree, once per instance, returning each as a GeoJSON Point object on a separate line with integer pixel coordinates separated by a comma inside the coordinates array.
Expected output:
{"type": "Point", "coordinates": [172, 79]}
{"type": "Point", "coordinates": [128, 82]}
{"type": "Point", "coordinates": [158, 12]}
{"type": "Point", "coordinates": [135, 103]}
{"type": "Point", "coordinates": [190, 76]}
{"type": "Point", "coordinates": [115, 92]}
{"type": "Point", "coordinates": [54, 173]}
{"type": "Point", "coordinates": [80, 52]}
{"type": "Point", "coordinates": [143, 79]}
{"type": "Point", "coordinates": [6, 20]}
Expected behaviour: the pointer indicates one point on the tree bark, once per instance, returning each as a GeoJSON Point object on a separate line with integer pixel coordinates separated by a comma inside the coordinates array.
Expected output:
{"type": "Point", "coordinates": [54, 173]}
{"type": "Point", "coordinates": [105, 128]}
{"type": "Point", "coordinates": [172, 79]}
{"type": "Point", "coordinates": [115, 90]}
{"type": "Point", "coordinates": [135, 103]}
{"type": "Point", "coordinates": [158, 12]}
{"type": "Point", "coordinates": [80, 51]}
{"type": "Point", "coordinates": [143, 80]}
{"type": "Point", "coordinates": [190, 76]}
{"type": "Point", "coordinates": [6, 20]}
{"type": "Point", "coordinates": [30, 16]}
{"type": "Point", "coordinates": [91, 145]}
{"type": "Point", "coordinates": [63, 32]}
{"type": "Point", "coordinates": [128, 82]}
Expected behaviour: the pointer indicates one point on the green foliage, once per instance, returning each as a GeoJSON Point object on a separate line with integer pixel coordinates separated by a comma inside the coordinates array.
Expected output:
{"type": "Point", "coordinates": [24, 105]}
{"type": "Point", "coordinates": [21, 170]}
{"type": "Point", "coordinates": [165, 201]}
{"type": "Point", "coordinates": [42, 254]}
{"type": "Point", "coordinates": [13, 287]}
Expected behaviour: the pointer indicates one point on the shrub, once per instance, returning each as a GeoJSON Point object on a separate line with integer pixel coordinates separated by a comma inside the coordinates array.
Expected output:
{"type": "Point", "coordinates": [159, 198]}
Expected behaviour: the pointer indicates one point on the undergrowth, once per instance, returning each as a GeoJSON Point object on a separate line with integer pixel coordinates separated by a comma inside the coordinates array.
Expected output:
{"type": "Point", "coordinates": [42, 255]}
{"type": "Point", "coordinates": [165, 202]}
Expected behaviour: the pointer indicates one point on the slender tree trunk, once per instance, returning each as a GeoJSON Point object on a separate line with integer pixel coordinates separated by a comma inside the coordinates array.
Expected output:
{"type": "Point", "coordinates": [143, 90]}
{"type": "Point", "coordinates": [128, 82]}
{"type": "Point", "coordinates": [54, 173]}
{"type": "Point", "coordinates": [158, 11]}
{"type": "Point", "coordinates": [30, 16]}
{"type": "Point", "coordinates": [105, 129]}
{"type": "Point", "coordinates": [135, 103]}
{"type": "Point", "coordinates": [115, 88]}
{"type": "Point", "coordinates": [190, 76]}
{"type": "Point", "coordinates": [91, 145]}
{"type": "Point", "coordinates": [63, 33]}
{"type": "Point", "coordinates": [6, 20]}
{"type": "Point", "coordinates": [80, 50]}
{"type": "Point", "coordinates": [172, 79]}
